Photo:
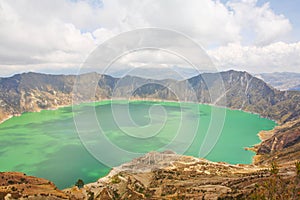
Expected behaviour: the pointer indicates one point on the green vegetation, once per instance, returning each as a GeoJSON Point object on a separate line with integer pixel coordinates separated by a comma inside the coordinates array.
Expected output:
{"type": "Point", "coordinates": [115, 179]}
{"type": "Point", "coordinates": [276, 187]}
{"type": "Point", "coordinates": [79, 183]}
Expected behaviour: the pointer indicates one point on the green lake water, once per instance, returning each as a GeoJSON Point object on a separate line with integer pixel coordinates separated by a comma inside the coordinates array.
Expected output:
{"type": "Point", "coordinates": [46, 144]}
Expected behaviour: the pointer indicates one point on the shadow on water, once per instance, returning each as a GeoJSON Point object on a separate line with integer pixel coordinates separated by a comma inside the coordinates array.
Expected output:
{"type": "Point", "coordinates": [38, 123]}
{"type": "Point", "coordinates": [68, 164]}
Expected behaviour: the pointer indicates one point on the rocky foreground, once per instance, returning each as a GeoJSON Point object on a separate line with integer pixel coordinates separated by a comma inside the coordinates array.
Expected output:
{"type": "Point", "coordinates": [171, 176]}
{"type": "Point", "coordinates": [166, 176]}
{"type": "Point", "coordinates": [16, 185]}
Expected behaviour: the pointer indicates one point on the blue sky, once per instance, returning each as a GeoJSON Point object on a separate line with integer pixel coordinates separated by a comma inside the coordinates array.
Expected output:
{"type": "Point", "coordinates": [290, 9]}
{"type": "Point", "coordinates": [57, 36]}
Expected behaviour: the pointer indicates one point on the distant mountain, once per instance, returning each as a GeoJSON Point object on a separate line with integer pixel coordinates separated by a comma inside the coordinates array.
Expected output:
{"type": "Point", "coordinates": [296, 88]}
{"type": "Point", "coordinates": [175, 72]}
{"type": "Point", "coordinates": [282, 80]}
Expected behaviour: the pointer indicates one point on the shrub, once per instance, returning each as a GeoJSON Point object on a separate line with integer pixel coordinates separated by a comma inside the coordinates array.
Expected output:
{"type": "Point", "coordinates": [79, 183]}
{"type": "Point", "coordinates": [278, 188]}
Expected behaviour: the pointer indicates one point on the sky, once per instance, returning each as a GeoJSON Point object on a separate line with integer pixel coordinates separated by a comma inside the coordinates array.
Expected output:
{"type": "Point", "coordinates": [57, 36]}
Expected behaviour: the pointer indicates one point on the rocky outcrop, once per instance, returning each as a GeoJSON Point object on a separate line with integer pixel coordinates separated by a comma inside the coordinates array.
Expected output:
{"type": "Point", "coordinates": [171, 176]}
{"type": "Point", "coordinates": [163, 175]}
{"type": "Point", "coordinates": [15, 185]}
{"type": "Point", "coordinates": [282, 144]}
{"type": "Point", "coordinates": [283, 137]}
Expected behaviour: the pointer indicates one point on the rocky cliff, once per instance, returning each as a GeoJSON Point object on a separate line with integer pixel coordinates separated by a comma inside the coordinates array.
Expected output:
{"type": "Point", "coordinates": [281, 144]}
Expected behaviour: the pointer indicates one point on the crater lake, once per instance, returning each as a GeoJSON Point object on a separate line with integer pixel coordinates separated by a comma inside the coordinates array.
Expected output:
{"type": "Point", "coordinates": [47, 144]}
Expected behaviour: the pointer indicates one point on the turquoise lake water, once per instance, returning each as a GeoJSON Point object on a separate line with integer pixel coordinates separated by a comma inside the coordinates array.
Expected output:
{"type": "Point", "coordinates": [46, 144]}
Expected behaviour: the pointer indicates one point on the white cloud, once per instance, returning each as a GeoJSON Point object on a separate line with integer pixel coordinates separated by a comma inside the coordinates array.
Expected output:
{"type": "Point", "coordinates": [276, 57]}
{"type": "Point", "coordinates": [34, 41]}
{"type": "Point", "coordinates": [261, 23]}
{"type": "Point", "coordinates": [206, 21]}
{"type": "Point", "coordinates": [103, 34]}
{"type": "Point", "coordinates": [35, 34]}
{"type": "Point", "coordinates": [150, 58]}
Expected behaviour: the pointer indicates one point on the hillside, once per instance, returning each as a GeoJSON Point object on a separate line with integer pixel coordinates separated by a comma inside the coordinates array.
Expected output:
{"type": "Point", "coordinates": [166, 175]}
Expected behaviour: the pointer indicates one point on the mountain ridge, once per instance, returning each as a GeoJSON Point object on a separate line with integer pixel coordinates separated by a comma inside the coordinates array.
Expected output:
{"type": "Point", "coordinates": [31, 92]}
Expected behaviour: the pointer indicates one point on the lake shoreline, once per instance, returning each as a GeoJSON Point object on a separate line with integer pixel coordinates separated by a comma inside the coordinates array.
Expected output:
{"type": "Point", "coordinates": [206, 108]}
